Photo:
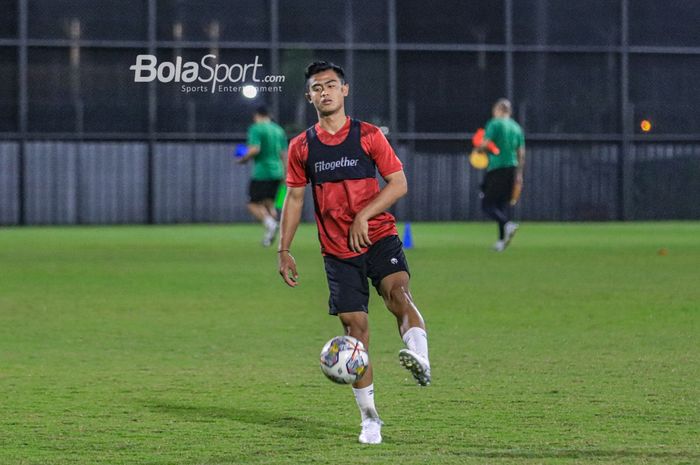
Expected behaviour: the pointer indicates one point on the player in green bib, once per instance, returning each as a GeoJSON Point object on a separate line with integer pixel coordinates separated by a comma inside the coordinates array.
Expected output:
{"type": "Point", "coordinates": [267, 147]}
{"type": "Point", "coordinates": [504, 172]}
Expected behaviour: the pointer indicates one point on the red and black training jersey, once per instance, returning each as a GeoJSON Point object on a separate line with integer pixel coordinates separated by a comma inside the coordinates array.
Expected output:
{"type": "Point", "coordinates": [342, 169]}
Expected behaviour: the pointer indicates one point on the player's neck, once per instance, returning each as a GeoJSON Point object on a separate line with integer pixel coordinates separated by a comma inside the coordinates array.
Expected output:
{"type": "Point", "coordinates": [332, 123]}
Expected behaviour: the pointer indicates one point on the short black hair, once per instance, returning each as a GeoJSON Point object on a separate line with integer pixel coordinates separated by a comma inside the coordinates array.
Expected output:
{"type": "Point", "coordinates": [262, 111]}
{"type": "Point", "coordinates": [320, 66]}
{"type": "Point", "coordinates": [504, 105]}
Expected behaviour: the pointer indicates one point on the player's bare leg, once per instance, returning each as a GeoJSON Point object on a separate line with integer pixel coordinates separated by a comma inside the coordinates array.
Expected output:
{"type": "Point", "coordinates": [398, 299]}
{"type": "Point", "coordinates": [356, 325]}
{"type": "Point", "coordinates": [261, 212]}
{"type": "Point", "coordinates": [270, 208]}
{"type": "Point", "coordinates": [258, 211]}
{"type": "Point", "coordinates": [270, 226]}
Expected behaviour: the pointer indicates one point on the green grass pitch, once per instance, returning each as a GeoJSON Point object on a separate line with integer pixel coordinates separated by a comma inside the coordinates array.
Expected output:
{"type": "Point", "coordinates": [181, 345]}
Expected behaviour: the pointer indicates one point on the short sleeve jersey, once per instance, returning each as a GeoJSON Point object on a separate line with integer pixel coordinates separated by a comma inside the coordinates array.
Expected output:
{"type": "Point", "coordinates": [272, 140]}
{"type": "Point", "coordinates": [508, 137]}
{"type": "Point", "coordinates": [342, 170]}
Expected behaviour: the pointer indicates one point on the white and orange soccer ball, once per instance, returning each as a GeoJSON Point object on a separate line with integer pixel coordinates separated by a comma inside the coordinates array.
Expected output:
{"type": "Point", "coordinates": [344, 360]}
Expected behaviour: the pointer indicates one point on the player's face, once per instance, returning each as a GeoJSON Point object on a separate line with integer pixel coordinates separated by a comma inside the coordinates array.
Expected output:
{"type": "Point", "coordinates": [327, 92]}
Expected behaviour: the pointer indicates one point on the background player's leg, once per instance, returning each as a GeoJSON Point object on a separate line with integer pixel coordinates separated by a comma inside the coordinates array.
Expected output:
{"type": "Point", "coordinates": [398, 299]}
{"type": "Point", "coordinates": [497, 212]}
{"type": "Point", "coordinates": [258, 211]}
{"type": "Point", "coordinates": [356, 325]}
{"type": "Point", "coordinates": [495, 201]}
{"type": "Point", "coordinates": [270, 208]}
{"type": "Point", "coordinates": [270, 221]}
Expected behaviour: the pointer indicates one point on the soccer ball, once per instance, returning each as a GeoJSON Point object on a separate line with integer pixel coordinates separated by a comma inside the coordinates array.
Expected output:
{"type": "Point", "coordinates": [344, 360]}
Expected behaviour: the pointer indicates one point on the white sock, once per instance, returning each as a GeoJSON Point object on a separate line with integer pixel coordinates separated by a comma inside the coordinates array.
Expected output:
{"type": "Point", "coordinates": [365, 402]}
{"type": "Point", "coordinates": [417, 340]}
{"type": "Point", "coordinates": [270, 222]}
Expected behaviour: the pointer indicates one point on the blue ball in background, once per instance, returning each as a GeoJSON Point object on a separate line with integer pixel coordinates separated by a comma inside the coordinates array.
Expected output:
{"type": "Point", "coordinates": [240, 151]}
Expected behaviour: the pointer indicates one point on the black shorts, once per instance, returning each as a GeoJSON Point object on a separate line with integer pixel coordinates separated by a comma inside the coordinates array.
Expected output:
{"type": "Point", "coordinates": [263, 190]}
{"type": "Point", "coordinates": [347, 277]}
{"type": "Point", "coordinates": [498, 185]}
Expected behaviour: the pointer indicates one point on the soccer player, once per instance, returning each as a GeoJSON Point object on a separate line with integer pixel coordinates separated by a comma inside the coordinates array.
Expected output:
{"type": "Point", "coordinates": [339, 157]}
{"type": "Point", "coordinates": [267, 147]}
{"type": "Point", "coordinates": [504, 170]}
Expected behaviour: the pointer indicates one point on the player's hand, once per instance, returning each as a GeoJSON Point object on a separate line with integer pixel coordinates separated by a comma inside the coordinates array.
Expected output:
{"type": "Point", "coordinates": [359, 235]}
{"type": "Point", "coordinates": [243, 160]}
{"type": "Point", "coordinates": [288, 269]}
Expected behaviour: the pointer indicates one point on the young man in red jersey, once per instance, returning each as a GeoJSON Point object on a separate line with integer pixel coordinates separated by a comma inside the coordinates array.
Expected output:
{"type": "Point", "coordinates": [339, 156]}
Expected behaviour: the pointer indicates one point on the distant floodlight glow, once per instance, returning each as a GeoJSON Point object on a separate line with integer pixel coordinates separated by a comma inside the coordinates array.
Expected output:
{"type": "Point", "coordinates": [645, 125]}
{"type": "Point", "coordinates": [250, 91]}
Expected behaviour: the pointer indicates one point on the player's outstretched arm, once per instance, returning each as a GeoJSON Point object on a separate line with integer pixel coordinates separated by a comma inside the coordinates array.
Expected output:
{"type": "Point", "coordinates": [291, 216]}
{"type": "Point", "coordinates": [396, 187]}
